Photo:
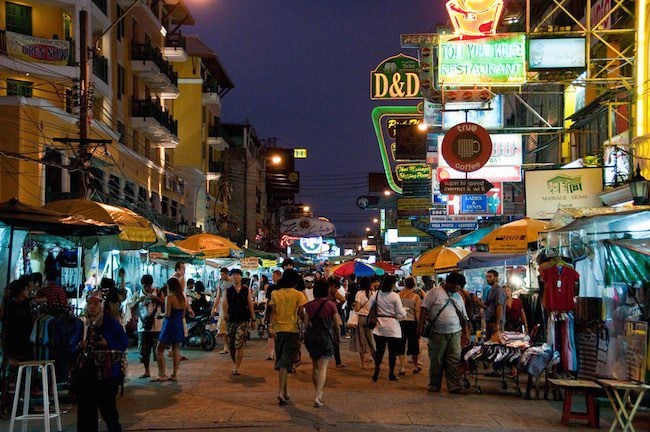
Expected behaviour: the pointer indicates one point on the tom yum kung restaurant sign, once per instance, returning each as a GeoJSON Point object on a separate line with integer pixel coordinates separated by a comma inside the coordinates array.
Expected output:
{"type": "Point", "coordinates": [396, 77]}
{"type": "Point", "coordinates": [498, 60]}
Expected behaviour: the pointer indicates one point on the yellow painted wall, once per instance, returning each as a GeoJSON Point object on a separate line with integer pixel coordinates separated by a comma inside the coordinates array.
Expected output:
{"type": "Point", "coordinates": [642, 112]}
{"type": "Point", "coordinates": [47, 19]}
{"type": "Point", "coordinates": [190, 150]}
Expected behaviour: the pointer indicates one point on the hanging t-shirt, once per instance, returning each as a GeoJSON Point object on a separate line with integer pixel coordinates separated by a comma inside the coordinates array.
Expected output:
{"type": "Point", "coordinates": [559, 283]}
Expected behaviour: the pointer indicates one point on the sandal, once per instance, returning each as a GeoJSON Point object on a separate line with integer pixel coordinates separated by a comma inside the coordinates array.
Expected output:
{"type": "Point", "coordinates": [417, 369]}
{"type": "Point", "coordinates": [173, 378]}
{"type": "Point", "coordinates": [234, 373]}
{"type": "Point", "coordinates": [402, 372]}
{"type": "Point", "coordinates": [282, 401]}
{"type": "Point", "coordinates": [144, 376]}
{"type": "Point", "coordinates": [162, 378]}
{"type": "Point", "coordinates": [223, 351]}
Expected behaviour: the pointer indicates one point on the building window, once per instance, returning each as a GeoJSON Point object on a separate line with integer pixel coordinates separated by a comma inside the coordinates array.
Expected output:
{"type": "Point", "coordinates": [155, 199]}
{"type": "Point", "coordinates": [121, 131]}
{"type": "Point", "coordinates": [164, 205]}
{"type": "Point", "coordinates": [19, 18]}
{"type": "Point", "coordinates": [142, 196]}
{"type": "Point", "coordinates": [19, 88]}
{"type": "Point", "coordinates": [114, 186]}
{"type": "Point", "coordinates": [120, 24]}
{"type": "Point", "coordinates": [121, 83]}
{"type": "Point", "coordinates": [174, 209]}
{"type": "Point", "coordinates": [129, 192]}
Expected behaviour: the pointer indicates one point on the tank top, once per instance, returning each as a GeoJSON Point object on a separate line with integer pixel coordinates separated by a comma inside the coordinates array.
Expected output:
{"type": "Point", "coordinates": [238, 304]}
{"type": "Point", "coordinates": [409, 302]}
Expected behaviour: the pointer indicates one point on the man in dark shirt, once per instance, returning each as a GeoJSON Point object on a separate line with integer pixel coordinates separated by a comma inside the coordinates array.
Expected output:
{"type": "Point", "coordinates": [238, 309]}
{"type": "Point", "coordinates": [52, 292]}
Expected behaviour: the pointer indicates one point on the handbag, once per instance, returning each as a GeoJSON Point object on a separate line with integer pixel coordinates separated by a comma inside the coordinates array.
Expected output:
{"type": "Point", "coordinates": [373, 315]}
{"type": "Point", "coordinates": [353, 320]}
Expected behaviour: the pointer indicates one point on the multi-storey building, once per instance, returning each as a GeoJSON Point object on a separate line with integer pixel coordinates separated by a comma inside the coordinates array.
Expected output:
{"type": "Point", "coordinates": [158, 157]}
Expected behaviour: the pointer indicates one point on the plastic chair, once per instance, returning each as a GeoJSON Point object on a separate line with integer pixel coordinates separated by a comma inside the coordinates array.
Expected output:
{"type": "Point", "coordinates": [48, 376]}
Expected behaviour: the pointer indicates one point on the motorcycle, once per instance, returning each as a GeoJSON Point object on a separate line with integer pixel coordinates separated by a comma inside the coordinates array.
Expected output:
{"type": "Point", "coordinates": [199, 333]}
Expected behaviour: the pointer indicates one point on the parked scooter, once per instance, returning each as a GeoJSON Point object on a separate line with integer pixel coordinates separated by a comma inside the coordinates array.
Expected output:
{"type": "Point", "coordinates": [199, 334]}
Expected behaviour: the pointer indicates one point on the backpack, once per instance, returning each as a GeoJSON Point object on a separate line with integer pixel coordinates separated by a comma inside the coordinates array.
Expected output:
{"type": "Point", "coordinates": [318, 328]}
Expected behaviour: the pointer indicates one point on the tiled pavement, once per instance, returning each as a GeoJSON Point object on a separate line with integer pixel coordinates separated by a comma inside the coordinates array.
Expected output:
{"type": "Point", "coordinates": [208, 397]}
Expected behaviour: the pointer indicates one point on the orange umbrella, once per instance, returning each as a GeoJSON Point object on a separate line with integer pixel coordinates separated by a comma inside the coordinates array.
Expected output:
{"type": "Point", "coordinates": [441, 259]}
{"type": "Point", "coordinates": [210, 245]}
{"type": "Point", "coordinates": [514, 237]}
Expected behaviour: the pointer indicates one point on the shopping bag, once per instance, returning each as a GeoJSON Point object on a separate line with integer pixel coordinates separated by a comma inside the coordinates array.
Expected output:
{"type": "Point", "coordinates": [353, 320]}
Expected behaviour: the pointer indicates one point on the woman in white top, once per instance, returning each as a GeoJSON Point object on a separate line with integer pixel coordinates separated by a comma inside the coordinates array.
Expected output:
{"type": "Point", "coordinates": [388, 331]}
{"type": "Point", "coordinates": [362, 340]}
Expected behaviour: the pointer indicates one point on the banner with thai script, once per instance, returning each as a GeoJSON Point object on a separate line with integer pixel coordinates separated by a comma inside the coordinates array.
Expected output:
{"type": "Point", "coordinates": [35, 49]}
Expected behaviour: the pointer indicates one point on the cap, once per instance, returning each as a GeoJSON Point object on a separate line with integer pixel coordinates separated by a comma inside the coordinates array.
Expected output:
{"type": "Point", "coordinates": [95, 295]}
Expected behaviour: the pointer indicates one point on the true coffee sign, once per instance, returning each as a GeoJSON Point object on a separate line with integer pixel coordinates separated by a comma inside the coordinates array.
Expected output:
{"type": "Point", "coordinates": [467, 147]}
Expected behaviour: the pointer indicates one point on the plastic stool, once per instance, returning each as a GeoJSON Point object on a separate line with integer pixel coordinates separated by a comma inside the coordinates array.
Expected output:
{"type": "Point", "coordinates": [47, 370]}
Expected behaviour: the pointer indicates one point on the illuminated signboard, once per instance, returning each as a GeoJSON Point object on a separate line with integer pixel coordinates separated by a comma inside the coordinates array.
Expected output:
{"type": "Point", "coordinates": [475, 17]}
{"type": "Point", "coordinates": [311, 245]}
{"type": "Point", "coordinates": [506, 151]}
{"type": "Point", "coordinates": [498, 60]}
{"type": "Point", "coordinates": [558, 53]}
{"type": "Point", "coordinates": [417, 171]}
{"type": "Point", "coordinates": [385, 120]}
{"type": "Point", "coordinates": [477, 112]}
{"type": "Point", "coordinates": [396, 77]}
{"type": "Point", "coordinates": [300, 153]}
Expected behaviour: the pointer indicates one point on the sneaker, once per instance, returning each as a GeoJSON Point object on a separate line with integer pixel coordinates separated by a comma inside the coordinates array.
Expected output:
{"type": "Point", "coordinates": [459, 390]}
{"type": "Point", "coordinates": [433, 389]}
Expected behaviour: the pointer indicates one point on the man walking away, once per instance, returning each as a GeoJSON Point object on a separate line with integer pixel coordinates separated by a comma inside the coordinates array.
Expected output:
{"type": "Point", "coordinates": [444, 308]}
{"type": "Point", "coordinates": [286, 307]}
{"type": "Point", "coordinates": [147, 304]}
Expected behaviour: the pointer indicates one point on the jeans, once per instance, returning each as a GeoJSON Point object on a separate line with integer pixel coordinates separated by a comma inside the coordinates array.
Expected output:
{"type": "Point", "coordinates": [148, 343]}
{"type": "Point", "coordinates": [444, 355]}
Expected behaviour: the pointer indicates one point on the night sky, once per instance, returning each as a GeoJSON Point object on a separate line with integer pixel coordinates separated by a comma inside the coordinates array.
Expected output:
{"type": "Point", "coordinates": [301, 70]}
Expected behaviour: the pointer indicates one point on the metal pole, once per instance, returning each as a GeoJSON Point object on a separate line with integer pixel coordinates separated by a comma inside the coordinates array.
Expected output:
{"type": "Point", "coordinates": [11, 244]}
{"type": "Point", "coordinates": [84, 88]}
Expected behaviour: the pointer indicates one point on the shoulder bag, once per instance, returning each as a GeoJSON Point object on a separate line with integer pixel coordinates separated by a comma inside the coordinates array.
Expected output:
{"type": "Point", "coordinates": [427, 332]}
{"type": "Point", "coordinates": [373, 314]}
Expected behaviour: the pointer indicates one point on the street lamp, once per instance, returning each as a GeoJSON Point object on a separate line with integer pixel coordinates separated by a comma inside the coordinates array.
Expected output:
{"type": "Point", "coordinates": [306, 209]}
{"type": "Point", "coordinates": [387, 192]}
{"type": "Point", "coordinates": [368, 229]}
{"type": "Point", "coordinates": [639, 187]}
{"type": "Point", "coordinates": [276, 159]}
{"type": "Point", "coordinates": [375, 221]}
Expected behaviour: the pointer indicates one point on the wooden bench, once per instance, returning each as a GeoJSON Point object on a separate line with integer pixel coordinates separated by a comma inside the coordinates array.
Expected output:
{"type": "Point", "coordinates": [590, 390]}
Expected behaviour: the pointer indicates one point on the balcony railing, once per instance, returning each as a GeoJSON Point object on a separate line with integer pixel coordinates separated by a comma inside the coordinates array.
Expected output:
{"type": "Point", "coordinates": [147, 108]}
{"type": "Point", "coordinates": [175, 41]}
{"type": "Point", "coordinates": [214, 131]}
{"type": "Point", "coordinates": [100, 68]}
{"type": "Point", "coordinates": [102, 5]}
{"type": "Point", "coordinates": [215, 166]}
{"type": "Point", "coordinates": [146, 52]}
{"type": "Point", "coordinates": [210, 86]}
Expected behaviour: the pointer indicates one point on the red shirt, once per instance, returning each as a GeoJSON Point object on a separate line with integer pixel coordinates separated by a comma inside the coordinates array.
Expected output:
{"type": "Point", "coordinates": [559, 288]}
{"type": "Point", "coordinates": [513, 315]}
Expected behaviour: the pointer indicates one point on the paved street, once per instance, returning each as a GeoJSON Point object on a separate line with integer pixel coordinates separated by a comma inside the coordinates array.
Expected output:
{"type": "Point", "coordinates": [206, 397]}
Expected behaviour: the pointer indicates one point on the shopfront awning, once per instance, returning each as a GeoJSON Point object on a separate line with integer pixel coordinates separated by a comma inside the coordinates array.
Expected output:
{"type": "Point", "coordinates": [627, 261]}
{"type": "Point", "coordinates": [488, 259]}
{"type": "Point", "coordinates": [601, 219]}
{"type": "Point", "coordinates": [470, 239]}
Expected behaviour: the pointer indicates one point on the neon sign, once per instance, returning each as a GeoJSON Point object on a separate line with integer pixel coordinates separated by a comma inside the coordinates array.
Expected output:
{"type": "Point", "coordinates": [498, 60]}
{"type": "Point", "coordinates": [475, 17]}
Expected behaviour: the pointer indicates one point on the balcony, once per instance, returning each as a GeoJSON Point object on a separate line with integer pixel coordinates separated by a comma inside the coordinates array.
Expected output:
{"type": "Point", "coordinates": [175, 50]}
{"type": "Point", "coordinates": [215, 170]}
{"type": "Point", "coordinates": [215, 139]}
{"type": "Point", "coordinates": [100, 68]}
{"type": "Point", "coordinates": [149, 65]}
{"type": "Point", "coordinates": [211, 96]}
{"type": "Point", "coordinates": [55, 61]}
{"type": "Point", "coordinates": [102, 5]}
{"type": "Point", "coordinates": [155, 122]}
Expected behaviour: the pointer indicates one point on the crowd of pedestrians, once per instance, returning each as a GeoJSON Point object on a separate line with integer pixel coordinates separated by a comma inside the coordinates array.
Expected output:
{"type": "Point", "coordinates": [376, 313]}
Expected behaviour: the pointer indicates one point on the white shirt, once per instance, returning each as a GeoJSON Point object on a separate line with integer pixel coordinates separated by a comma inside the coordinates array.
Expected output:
{"type": "Point", "coordinates": [361, 299]}
{"type": "Point", "coordinates": [390, 311]}
{"type": "Point", "coordinates": [447, 321]}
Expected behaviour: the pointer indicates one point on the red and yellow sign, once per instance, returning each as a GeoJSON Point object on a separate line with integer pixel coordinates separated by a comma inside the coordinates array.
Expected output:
{"type": "Point", "coordinates": [475, 17]}
{"type": "Point", "coordinates": [35, 49]}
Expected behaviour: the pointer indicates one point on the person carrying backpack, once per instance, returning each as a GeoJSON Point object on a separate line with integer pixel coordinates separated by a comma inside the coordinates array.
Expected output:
{"type": "Point", "coordinates": [323, 328]}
